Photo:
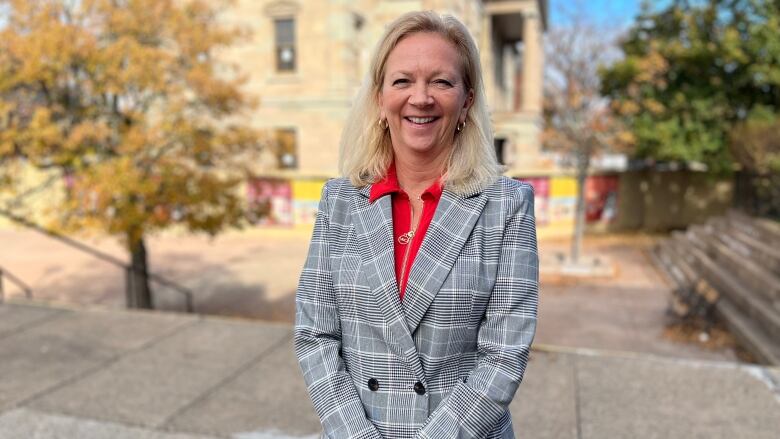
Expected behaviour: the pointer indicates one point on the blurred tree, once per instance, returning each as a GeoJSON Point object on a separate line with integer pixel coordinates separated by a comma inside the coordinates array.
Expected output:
{"type": "Point", "coordinates": [692, 72]}
{"type": "Point", "coordinates": [755, 145]}
{"type": "Point", "coordinates": [578, 121]}
{"type": "Point", "coordinates": [125, 103]}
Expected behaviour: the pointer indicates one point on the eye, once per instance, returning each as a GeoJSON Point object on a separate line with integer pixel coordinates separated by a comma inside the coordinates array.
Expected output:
{"type": "Point", "coordinates": [443, 82]}
{"type": "Point", "coordinates": [401, 81]}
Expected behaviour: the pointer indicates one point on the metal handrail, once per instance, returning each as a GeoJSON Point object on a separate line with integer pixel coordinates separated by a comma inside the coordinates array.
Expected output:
{"type": "Point", "coordinates": [19, 283]}
{"type": "Point", "coordinates": [129, 269]}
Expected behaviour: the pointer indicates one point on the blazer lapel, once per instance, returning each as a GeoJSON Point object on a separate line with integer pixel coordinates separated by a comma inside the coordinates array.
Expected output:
{"type": "Point", "coordinates": [374, 230]}
{"type": "Point", "coordinates": [451, 226]}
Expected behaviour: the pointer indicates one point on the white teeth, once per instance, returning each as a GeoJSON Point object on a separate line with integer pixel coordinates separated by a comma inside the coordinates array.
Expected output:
{"type": "Point", "coordinates": [421, 119]}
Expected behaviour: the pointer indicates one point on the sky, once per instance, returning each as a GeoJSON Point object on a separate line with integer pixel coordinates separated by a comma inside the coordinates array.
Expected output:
{"type": "Point", "coordinates": [621, 12]}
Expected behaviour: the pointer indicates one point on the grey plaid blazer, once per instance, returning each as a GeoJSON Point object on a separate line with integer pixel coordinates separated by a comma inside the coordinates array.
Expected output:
{"type": "Point", "coordinates": [445, 362]}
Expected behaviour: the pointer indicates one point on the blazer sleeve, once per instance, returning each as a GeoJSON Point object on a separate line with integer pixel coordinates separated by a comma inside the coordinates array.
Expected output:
{"type": "Point", "coordinates": [318, 341]}
{"type": "Point", "coordinates": [473, 407]}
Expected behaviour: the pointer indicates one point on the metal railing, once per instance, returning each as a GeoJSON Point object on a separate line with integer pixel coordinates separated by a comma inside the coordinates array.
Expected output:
{"type": "Point", "coordinates": [16, 281]}
{"type": "Point", "coordinates": [128, 269]}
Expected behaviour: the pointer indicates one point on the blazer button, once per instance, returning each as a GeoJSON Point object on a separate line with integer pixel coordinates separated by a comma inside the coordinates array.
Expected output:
{"type": "Point", "coordinates": [373, 384]}
{"type": "Point", "coordinates": [419, 388]}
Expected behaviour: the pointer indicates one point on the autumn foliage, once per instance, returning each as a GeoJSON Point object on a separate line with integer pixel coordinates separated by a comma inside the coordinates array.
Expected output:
{"type": "Point", "coordinates": [698, 78]}
{"type": "Point", "coordinates": [127, 105]}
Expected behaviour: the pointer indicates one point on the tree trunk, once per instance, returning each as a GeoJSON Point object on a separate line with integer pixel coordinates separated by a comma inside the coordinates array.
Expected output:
{"type": "Point", "coordinates": [139, 294]}
{"type": "Point", "coordinates": [583, 163]}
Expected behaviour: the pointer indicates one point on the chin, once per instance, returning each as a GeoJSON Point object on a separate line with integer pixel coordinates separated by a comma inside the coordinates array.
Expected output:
{"type": "Point", "coordinates": [420, 146]}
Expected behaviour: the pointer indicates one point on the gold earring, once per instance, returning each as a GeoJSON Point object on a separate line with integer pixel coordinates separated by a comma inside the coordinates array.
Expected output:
{"type": "Point", "coordinates": [460, 126]}
{"type": "Point", "coordinates": [383, 124]}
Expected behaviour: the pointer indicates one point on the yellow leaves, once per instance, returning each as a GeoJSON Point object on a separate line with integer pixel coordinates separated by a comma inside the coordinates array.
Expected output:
{"type": "Point", "coordinates": [135, 140]}
{"type": "Point", "coordinates": [625, 140]}
{"type": "Point", "coordinates": [86, 133]}
{"type": "Point", "coordinates": [42, 133]}
{"type": "Point", "coordinates": [626, 107]}
{"type": "Point", "coordinates": [7, 131]}
{"type": "Point", "coordinates": [114, 191]}
{"type": "Point", "coordinates": [127, 99]}
{"type": "Point", "coordinates": [42, 50]}
{"type": "Point", "coordinates": [635, 106]}
{"type": "Point", "coordinates": [139, 19]}
{"type": "Point", "coordinates": [6, 144]}
{"type": "Point", "coordinates": [755, 144]}
{"type": "Point", "coordinates": [217, 93]}
{"type": "Point", "coordinates": [652, 67]}
{"type": "Point", "coordinates": [125, 62]}
{"type": "Point", "coordinates": [654, 106]}
{"type": "Point", "coordinates": [194, 29]}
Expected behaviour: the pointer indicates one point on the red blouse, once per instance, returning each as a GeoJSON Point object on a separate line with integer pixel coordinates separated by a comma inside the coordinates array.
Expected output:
{"type": "Point", "coordinates": [406, 250]}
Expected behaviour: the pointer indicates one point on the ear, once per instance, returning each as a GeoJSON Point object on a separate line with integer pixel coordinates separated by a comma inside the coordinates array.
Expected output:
{"type": "Point", "coordinates": [466, 105]}
{"type": "Point", "coordinates": [380, 103]}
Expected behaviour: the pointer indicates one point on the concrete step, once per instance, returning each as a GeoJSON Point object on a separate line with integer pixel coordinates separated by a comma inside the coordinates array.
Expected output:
{"type": "Point", "coordinates": [748, 267]}
{"type": "Point", "coordinates": [94, 374]}
{"type": "Point", "coordinates": [692, 295]}
{"type": "Point", "coordinates": [748, 246]}
{"type": "Point", "coordinates": [748, 333]}
{"type": "Point", "coordinates": [761, 229]}
{"type": "Point", "coordinates": [731, 284]}
{"type": "Point", "coordinates": [31, 424]}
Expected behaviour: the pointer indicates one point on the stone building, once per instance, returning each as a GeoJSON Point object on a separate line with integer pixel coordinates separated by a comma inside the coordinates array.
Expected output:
{"type": "Point", "coordinates": [306, 60]}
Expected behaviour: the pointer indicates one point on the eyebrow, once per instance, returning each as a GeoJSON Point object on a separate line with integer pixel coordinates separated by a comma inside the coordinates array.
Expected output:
{"type": "Point", "coordinates": [434, 73]}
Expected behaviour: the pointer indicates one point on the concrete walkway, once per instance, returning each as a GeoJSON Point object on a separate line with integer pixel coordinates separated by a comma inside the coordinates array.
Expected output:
{"type": "Point", "coordinates": [88, 373]}
{"type": "Point", "coordinates": [254, 274]}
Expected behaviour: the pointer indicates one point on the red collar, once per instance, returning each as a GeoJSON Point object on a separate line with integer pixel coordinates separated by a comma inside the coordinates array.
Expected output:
{"type": "Point", "coordinates": [389, 185]}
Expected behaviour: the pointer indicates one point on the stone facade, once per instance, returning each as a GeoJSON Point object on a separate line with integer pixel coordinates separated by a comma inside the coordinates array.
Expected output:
{"type": "Point", "coordinates": [305, 61]}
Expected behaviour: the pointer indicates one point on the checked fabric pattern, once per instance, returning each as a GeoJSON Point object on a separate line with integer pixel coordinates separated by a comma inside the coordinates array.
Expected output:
{"type": "Point", "coordinates": [445, 362]}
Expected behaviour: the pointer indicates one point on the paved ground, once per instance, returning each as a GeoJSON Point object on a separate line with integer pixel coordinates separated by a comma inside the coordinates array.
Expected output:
{"type": "Point", "coordinates": [254, 274]}
{"type": "Point", "coordinates": [251, 274]}
{"type": "Point", "coordinates": [110, 374]}
{"type": "Point", "coordinates": [626, 312]}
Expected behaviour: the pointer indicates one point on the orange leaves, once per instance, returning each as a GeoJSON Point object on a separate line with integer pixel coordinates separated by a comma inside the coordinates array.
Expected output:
{"type": "Point", "coordinates": [37, 45]}
{"type": "Point", "coordinates": [652, 68]}
{"type": "Point", "coordinates": [42, 133]}
{"type": "Point", "coordinates": [626, 108]}
{"type": "Point", "coordinates": [755, 144]}
{"type": "Point", "coordinates": [138, 19]}
{"type": "Point", "coordinates": [86, 135]}
{"type": "Point", "coordinates": [124, 62]}
{"type": "Point", "coordinates": [654, 106]}
{"type": "Point", "coordinates": [126, 99]}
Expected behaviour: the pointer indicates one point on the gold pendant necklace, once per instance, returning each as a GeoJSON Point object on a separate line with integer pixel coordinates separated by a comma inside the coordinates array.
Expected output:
{"type": "Point", "coordinates": [406, 237]}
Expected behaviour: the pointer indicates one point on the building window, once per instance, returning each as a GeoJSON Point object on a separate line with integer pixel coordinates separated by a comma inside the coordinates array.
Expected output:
{"type": "Point", "coordinates": [286, 155]}
{"type": "Point", "coordinates": [284, 33]}
{"type": "Point", "coordinates": [498, 144]}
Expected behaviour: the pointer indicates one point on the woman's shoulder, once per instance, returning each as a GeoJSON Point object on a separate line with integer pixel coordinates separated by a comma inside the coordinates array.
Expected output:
{"type": "Point", "coordinates": [337, 198]}
{"type": "Point", "coordinates": [339, 188]}
{"type": "Point", "coordinates": [507, 188]}
{"type": "Point", "coordinates": [507, 197]}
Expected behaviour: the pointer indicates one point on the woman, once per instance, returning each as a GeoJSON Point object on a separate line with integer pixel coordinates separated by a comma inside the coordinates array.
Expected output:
{"type": "Point", "coordinates": [417, 303]}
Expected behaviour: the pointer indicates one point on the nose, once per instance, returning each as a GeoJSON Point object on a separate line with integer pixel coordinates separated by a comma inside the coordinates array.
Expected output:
{"type": "Point", "coordinates": [420, 96]}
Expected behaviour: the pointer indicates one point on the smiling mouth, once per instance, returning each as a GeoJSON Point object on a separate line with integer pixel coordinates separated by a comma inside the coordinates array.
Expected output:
{"type": "Point", "coordinates": [421, 120]}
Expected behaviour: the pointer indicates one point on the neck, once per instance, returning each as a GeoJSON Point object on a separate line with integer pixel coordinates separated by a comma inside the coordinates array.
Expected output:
{"type": "Point", "coordinates": [416, 173]}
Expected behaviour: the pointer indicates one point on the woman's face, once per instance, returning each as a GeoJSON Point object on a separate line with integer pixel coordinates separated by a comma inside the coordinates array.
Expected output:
{"type": "Point", "coordinates": [423, 96]}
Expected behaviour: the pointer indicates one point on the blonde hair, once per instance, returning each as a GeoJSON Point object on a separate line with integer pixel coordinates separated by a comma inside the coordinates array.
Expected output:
{"type": "Point", "coordinates": [365, 147]}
